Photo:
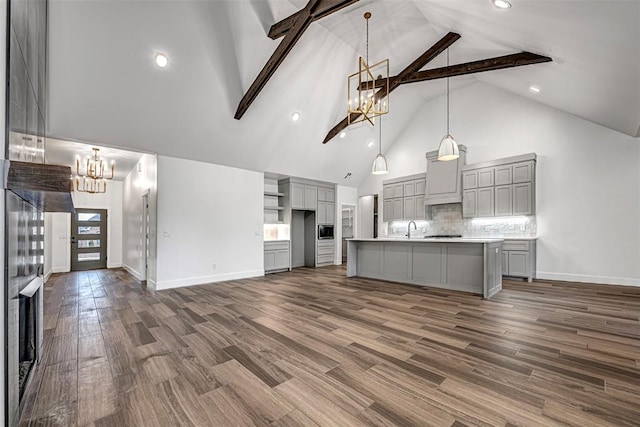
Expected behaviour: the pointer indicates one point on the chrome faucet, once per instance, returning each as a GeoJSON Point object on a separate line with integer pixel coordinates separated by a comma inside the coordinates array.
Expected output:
{"type": "Point", "coordinates": [415, 227]}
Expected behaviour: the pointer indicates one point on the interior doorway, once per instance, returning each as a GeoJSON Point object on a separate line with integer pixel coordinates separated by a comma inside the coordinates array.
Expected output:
{"type": "Point", "coordinates": [88, 239]}
{"type": "Point", "coordinates": [145, 235]}
{"type": "Point", "coordinates": [348, 227]}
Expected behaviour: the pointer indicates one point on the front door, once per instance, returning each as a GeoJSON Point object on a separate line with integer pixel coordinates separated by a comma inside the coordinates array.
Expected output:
{"type": "Point", "coordinates": [88, 239]}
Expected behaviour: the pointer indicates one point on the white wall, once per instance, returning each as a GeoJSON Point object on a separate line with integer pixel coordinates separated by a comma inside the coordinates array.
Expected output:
{"type": "Point", "coordinates": [588, 177]}
{"type": "Point", "coordinates": [344, 196]}
{"type": "Point", "coordinates": [208, 215]}
{"type": "Point", "coordinates": [58, 233]}
{"type": "Point", "coordinates": [142, 179]}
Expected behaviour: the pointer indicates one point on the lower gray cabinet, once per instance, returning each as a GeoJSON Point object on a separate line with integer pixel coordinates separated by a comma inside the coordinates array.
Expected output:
{"type": "Point", "coordinates": [276, 256]}
{"type": "Point", "coordinates": [519, 258]}
{"type": "Point", "coordinates": [325, 252]}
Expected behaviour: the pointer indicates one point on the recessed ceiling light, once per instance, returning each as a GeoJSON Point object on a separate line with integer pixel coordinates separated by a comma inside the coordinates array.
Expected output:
{"type": "Point", "coordinates": [161, 60]}
{"type": "Point", "coordinates": [343, 134]}
{"type": "Point", "coordinates": [502, 4]}
{"type": "Point", "coordinates": [295, 116]}
{"type": "Point", "coordinates": [370, 143]}
{"type": "Point", "coordinates": [534, 89]}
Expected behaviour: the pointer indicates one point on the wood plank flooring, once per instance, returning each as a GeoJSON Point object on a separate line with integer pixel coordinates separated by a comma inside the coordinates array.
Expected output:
{"type": "Point", "coordinates": [312, 347]}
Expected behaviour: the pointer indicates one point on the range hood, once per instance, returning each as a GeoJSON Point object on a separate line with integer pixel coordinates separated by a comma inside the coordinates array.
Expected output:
{"type": "Point", "coordinates": [46, 187]}
{"type": "Point", "coordinates": [444, 178]}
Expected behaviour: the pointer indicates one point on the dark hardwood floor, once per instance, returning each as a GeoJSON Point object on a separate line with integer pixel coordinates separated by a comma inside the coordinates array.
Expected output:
{"type": "Point", "coordinates": [313, 347]}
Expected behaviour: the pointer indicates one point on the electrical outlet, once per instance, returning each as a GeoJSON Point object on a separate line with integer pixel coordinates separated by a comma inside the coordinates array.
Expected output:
{"type": "Point", "coordinates": [166, 234]}
{"type": "Point", "coordinates": [522, 227]}
{"type": "Point", "coordinates": [214, 266]}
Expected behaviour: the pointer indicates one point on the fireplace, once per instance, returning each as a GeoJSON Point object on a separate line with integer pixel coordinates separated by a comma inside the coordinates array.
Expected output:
{"type": "Point", "coordinates": [27, 338]}
{"type": "Point", "coordinates": [24, 300]}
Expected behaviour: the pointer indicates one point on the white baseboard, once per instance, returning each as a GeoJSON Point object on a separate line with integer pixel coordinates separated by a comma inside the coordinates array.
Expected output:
{"type": "Point", "coordinates": [114, 265]}
{"type": "Point", "coordinates": [192, 281]}
{"type": "Point", "coordinates": [135, 273]}
{"type": "Point", "coordinates": [602, 280]}
{"type": "Point", "coordinates": [60, 269]}
{"type": "Point", "coordinates": [151, 284]}
{"type": "Point", "coordinates": [47, 275]}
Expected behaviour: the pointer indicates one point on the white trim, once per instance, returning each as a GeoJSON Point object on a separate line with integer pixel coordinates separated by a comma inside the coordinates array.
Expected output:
{"type": "Point", "coordinates": [192, 281]}
{"type": "Point", "coordinates": [132, 271]}
{"type": "Point", "coordinates": [60, 270]}
{"type": "Point", "coordinates": [47, 275]}
{"type": "Point", "coordinates": [151, 284]}
{"type": "Point", "coordinates": [113, 265]}
{"type": "Point", "coordinates": [601, 280]}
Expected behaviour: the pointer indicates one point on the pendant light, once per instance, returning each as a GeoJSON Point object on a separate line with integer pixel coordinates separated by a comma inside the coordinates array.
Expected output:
{"type": "Point", "coordinates": [448, 147]}
{"type": "Point", "coordinates": [368, 96]}
{"type": "Point", "coordinates": [379, 166]}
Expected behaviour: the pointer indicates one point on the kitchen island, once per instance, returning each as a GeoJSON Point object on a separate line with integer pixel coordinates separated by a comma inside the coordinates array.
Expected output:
{"type": "Point", "coordinates": [461, 264]}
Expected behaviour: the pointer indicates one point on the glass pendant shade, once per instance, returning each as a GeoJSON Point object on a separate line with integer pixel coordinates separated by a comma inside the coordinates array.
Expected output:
{"type": "Point", "coordinates": [379, 165]}
{"type": "Point", "coordinates": [448, 149]}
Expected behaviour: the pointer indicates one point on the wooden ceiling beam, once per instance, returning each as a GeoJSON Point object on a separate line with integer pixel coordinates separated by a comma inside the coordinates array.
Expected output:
{"type": "Point", "coordinates": [395, 82]}
{"type": "Point", "coordinates": [491, 64]}
{"type": "Point", "coordinates": [326, 7]}
{"type": "Point", "coordinates": [300, 23]}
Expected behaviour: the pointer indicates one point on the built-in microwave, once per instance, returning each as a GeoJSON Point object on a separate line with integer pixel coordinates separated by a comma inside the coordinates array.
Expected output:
{"type": "Point", "coordinates": [325, 232]}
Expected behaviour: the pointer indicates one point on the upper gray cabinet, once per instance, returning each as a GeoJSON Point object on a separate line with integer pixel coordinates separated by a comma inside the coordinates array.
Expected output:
{"type": "Point", "coordinates": [502, 187]}
{"type": "Point", "coordinates": [304, 196]}
{"type": "Point", "coordinates": [403, 198]}
{"type": "Point", "coordinates": [444, 179]}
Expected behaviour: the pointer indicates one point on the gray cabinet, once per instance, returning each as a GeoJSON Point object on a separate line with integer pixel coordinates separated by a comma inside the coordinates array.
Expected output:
{"type": "Point", "coordinates": [519, 258]}
{"type": "Point", "coordinates": [420, 212]}
{"type": "Point", "coordinates": [522, 199]}
{"type": "Point", "coordinates": [409, 208]}
{"type": "Point", "coordinates": [444, 179]}
{"type": "Point", "coordinates": [503, 175]}
{"type": "Point", "coordinates": [512, 181]}
{"type": "Point", "coordinates": [276, 256]}
{"type": "Point", "coordinates": [403, 198]}
{"type": "Point", "coordinates": [485, 202]}
{"type": "Point", "coordinates": [470, 179]}
{"type": "Point", "coordinates": [325, 213]}
{"type": "Point", "coordinates": [304, 196]}
{"type": "Point", "coordinates": [504, 200]}
{"type": "Point", "coordinates": [326, 194]}
{"type": "Point", "coordinates": [398, 209]}
{"type": "Point", "coordinates": [470, 203]}
{"type": "Point", "coordinates": [325, 252]}
{"type": "Point", "coordinates": [485, 177]}
{"type": "Point", "coordinates": [310, 197]}
{"type": "Point", "coordinates": [387, 210]}
{"type": "Point", "coordinates": [522, 172]}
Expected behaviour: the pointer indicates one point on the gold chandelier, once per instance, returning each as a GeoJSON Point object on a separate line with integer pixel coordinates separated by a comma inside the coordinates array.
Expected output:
{"type": "Point", "coordinates": [93, 179]}
{"type": "Point", "coordinates": [368, 89]}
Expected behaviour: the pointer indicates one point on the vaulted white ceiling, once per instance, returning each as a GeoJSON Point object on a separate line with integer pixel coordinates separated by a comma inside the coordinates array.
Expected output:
{"type": "Point", "coordinates": [105, 89]}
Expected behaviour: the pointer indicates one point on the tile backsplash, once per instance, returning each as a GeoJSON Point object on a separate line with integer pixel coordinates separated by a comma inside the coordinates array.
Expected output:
{"type": "Point", "coordinates": [447, 219]}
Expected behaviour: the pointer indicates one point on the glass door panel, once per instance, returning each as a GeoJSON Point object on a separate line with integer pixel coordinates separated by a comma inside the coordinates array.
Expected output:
{"type": "Point", "coordinates": [88, 240]}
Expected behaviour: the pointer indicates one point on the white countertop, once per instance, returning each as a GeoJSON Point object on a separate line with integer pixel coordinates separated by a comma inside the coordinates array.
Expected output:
{"type": "Point", "coordinates": [430, 240]}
